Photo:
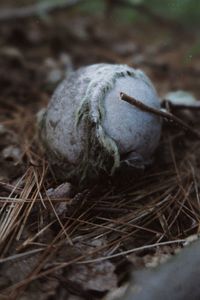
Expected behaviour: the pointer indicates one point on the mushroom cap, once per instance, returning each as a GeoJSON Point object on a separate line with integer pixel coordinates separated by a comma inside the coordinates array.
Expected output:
{"type": "Point", "coordinates": [86, 122]}
{"type": "Point", "coordinates": [133, 130]}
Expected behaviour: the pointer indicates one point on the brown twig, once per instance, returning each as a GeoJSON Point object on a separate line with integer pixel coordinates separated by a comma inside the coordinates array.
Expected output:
{"type": "Point", "coordinates": [36, 10]}
{"type": "Point", "coordinates": [166, 115]}
{"type": "Point", "coordinates": [10, 188]}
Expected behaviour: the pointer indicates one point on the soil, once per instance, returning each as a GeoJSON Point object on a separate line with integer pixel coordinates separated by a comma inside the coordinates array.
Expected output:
{"type": "Point", "coordinates": [58, 241]}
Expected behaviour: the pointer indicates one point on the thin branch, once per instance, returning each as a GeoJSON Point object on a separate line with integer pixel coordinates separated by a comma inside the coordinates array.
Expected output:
{"type": "Point", "coordinates": [20, 255]}
{"type": "Point", "coordinates": [36, 10]}
{"type": "Point", "coordinates": [160, 113]}
{"type": "Point", "coordinates": [130, 251]}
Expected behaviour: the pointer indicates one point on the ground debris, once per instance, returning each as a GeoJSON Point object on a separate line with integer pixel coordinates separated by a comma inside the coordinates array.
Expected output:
{"type": "Point", "coordinates": [79, 244]}
{"type": "Point", "coordinates": [95, 276]}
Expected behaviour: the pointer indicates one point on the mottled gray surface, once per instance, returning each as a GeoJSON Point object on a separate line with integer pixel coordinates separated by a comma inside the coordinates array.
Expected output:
{"type": "Point", "coordinates": [178, 279]}
{"type": "Point", "coordinates": [92, 95]}
{"type": "Point", "coordinates": [60, 132]}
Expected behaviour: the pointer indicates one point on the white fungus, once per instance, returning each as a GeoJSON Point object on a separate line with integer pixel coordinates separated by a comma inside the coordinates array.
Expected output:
{"type": "Point", "coordinates": [182, 99]}
{"type": "Point", "coordinates": [87, 128]}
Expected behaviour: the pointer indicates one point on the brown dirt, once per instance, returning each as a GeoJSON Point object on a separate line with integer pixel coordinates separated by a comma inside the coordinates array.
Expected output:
{"type": "Point", "coordinates": [76, 243]}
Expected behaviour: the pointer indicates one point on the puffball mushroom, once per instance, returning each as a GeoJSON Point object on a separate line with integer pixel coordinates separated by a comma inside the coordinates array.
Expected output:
{"type": "Point", "coordinates": [87, 128]}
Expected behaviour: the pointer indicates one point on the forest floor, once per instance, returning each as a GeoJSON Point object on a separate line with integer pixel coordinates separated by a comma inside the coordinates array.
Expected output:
{"type": "Point", "coordinates": [59, 242]}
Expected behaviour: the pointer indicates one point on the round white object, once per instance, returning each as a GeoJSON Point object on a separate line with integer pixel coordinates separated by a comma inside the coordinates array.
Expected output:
{"type": "Point", "coordinates": [87, 128]}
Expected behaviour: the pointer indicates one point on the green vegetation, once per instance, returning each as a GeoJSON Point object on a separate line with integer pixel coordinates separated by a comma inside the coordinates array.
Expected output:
{"type": "Point", "coordinates": [184, 11]}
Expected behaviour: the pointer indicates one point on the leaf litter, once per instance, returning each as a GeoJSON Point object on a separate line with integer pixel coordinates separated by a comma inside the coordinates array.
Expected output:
{"type": "Point", "coordinates": [59, 242]}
